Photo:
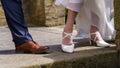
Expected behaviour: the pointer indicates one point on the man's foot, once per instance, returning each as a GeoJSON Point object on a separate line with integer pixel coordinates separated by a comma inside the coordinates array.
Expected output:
{"type": "Point", "coordinates": [31, 47]}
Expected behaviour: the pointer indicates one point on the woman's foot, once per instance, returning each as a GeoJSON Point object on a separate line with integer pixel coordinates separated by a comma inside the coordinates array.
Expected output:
{"type": "Point", "coordinates": [67, 43]}
{"type": "Point", "coordinates": [95, 38]}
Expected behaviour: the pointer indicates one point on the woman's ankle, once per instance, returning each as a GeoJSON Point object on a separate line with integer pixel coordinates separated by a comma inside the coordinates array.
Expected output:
{"type": "Point", "coordinates": [67, 38]}
{"type": "Point", "coordinates": [97, 36]}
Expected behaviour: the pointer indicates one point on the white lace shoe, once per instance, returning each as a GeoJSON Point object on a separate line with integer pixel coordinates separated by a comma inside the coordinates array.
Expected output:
{"type": "Point", "coordinates": [67, 48]}
{"type": "Point", "coordinates": [100, 43]}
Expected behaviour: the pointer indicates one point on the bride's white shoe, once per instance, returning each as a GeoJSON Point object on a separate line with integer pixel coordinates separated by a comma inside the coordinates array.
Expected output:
{"type": "Point", "coordinates": [67, 48]}
{"type": "Point", "coordinates": [100, 43]}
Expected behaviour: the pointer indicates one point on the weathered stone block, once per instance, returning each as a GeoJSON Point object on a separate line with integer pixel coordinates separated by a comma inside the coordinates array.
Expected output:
{"type": "Point", "coordinates": [34, 12]}
{"type": "Point", "coordinates": [2, 16]}
{"type": "Point", "coordinates": [118, 35]}
{"type": "Point", "coordinates": [117, 14]}
{"type": "Point", "coordinates": [118, 46]}
{"type": "Point", "coordinates": [54, 15]}
{"type": "Point", "coordinates": [97, 61]}
{"type": "Point", "coordinates": [39, 13]}
{"type": "Point", "coordinates": [43, 13]}
{"type": "Point", "coordinates": [117, 27]}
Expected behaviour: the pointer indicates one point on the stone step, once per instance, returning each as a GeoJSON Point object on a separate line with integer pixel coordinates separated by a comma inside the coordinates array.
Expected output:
{"type": "Point", "coordinates": [84, 56]}
{"type": "Point", "coordinates": [55, 58]}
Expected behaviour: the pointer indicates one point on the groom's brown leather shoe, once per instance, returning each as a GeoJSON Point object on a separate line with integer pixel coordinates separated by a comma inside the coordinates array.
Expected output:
{"type": "Point", "coordinates": [31, 47]}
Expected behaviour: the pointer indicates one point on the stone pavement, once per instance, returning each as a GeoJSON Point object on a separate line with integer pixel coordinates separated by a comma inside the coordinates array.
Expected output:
{"type": "Point", "coordinates": [49, 36]}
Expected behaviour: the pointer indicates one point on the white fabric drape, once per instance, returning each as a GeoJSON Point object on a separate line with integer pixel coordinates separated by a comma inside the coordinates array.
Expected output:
{"type": "Point", "coordinates": [74, 5]}
{"type": "Point", "coordinates": [92, 12]}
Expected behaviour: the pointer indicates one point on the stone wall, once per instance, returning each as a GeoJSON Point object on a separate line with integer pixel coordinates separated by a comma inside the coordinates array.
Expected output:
{"type": "Point", "coordinates": [117, 27]}
{"type": "Point", "coordinates": [54, 15]}
{"type": "Point", "coordinates": [34, 12]}
{"type": "Point", "coordinates": [39, 13]}
{"type": "Point", "coordinates": [43, 13]}
{"type": "Point", "coordinates": [2, 16]}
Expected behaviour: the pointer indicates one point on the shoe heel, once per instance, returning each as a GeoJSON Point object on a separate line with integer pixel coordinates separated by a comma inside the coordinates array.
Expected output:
{"type": "Point", "coordinates": [92, 43]}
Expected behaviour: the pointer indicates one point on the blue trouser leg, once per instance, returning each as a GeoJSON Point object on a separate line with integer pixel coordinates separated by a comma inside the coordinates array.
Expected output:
{"type": "Point", "coordinates": [15, 20]}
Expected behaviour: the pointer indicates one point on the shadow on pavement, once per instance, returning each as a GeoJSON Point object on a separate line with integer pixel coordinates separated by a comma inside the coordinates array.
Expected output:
{"type": "Point", "coordinates": [53, 48]}
{"type": "Point", "coordinates": [12, 51]}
